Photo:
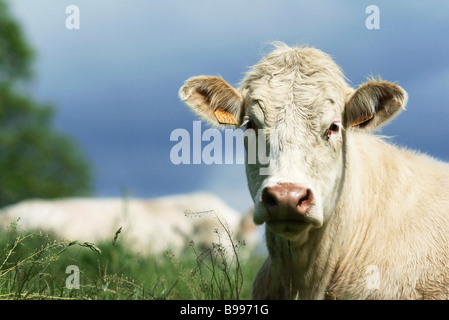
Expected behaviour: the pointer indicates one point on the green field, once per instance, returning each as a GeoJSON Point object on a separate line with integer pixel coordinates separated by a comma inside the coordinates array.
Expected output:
{"type": "Point", "coordinates": [34, 265]}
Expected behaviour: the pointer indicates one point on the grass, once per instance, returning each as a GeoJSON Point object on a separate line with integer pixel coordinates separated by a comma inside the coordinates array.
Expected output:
{"type": "Point", "coordinates": [35, 265]}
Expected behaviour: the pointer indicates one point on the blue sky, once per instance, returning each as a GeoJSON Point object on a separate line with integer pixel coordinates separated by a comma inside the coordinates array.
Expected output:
{"type": "Point", "coordinates": [115, 80]}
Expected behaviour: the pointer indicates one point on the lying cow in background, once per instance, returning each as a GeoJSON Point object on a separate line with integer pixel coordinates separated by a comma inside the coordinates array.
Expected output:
{"type": "Point", "coordinates": [347, 214]}
{"type": "Point", "coordinates": [147, 226]}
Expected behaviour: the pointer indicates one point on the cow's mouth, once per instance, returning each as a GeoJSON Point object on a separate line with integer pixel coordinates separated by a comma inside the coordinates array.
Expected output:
{"type": "Point", "coordinates": [288, 227]}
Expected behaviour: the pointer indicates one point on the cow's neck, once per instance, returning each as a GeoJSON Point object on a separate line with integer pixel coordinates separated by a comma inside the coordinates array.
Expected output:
{"type": "Point", "coordinates": [303, 271]}
{"type": "Point", "coordinates": [307, 271]}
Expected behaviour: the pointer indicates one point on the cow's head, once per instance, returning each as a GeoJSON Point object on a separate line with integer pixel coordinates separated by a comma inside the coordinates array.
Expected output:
{"type": "Point", "coordinates": [300, 98]}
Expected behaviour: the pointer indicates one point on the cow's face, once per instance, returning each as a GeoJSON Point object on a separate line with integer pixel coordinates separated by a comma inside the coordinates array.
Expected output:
{"type": "Point", "coordinates": [299, 100]}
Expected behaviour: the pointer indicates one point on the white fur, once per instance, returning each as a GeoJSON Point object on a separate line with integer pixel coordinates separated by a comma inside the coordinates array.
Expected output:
{"type": "Point", "coordinates": [377, 207]}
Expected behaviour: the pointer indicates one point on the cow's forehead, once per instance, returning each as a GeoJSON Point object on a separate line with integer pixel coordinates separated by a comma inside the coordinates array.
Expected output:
{"type": "Point", "coordinates": [300, 63]}
{"type": "Point", "coordinates": [297, 79]}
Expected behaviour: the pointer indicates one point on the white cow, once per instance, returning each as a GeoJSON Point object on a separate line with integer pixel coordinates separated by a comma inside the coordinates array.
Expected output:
{"type": "Point", "coordinates": [147, 226]}
{"type": "Point", "coordinates": [347, 214]}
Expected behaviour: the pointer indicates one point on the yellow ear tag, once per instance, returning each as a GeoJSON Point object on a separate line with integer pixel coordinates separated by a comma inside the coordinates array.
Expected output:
{"type": "Point", "coordinates": [355, 124]}
{"type": "Point", "coordinates": [225, 117]}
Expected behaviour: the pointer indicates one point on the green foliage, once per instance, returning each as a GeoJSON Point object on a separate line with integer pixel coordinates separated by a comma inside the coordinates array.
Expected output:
{"type": "Point", "coordinates": [33, 266]}
{"type": "Point", "coordinates": [35, 159]}
{"type": "Point", "coordinates": [15, 54]}
{"type": "Point", "coordinates": [218, 272]}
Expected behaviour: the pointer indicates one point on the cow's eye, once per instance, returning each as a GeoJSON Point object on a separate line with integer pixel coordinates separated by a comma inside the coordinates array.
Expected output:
{"type": "Point", "coordinates": [333, 129]}
{"type": "Point", "coordinates": [249, 124]}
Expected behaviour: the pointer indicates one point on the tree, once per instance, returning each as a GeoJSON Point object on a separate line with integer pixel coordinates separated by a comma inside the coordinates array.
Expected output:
{"type": "Point", "coordinates": [35, 159]}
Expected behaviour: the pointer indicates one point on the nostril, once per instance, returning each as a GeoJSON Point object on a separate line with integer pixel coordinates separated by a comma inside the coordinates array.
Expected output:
{"type": "Point", "coordinates": [305, 202]}
{"type": "Point", "coordinates": [304, 198]}
{"type": "Point", "coordinates": [268, 199]}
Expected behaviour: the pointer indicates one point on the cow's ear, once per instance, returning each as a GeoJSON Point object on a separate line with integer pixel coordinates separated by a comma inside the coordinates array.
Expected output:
{"type": "Point", "coordinates": [373, 104]}
{"type": "Point", "coordinates": [214, 100]}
